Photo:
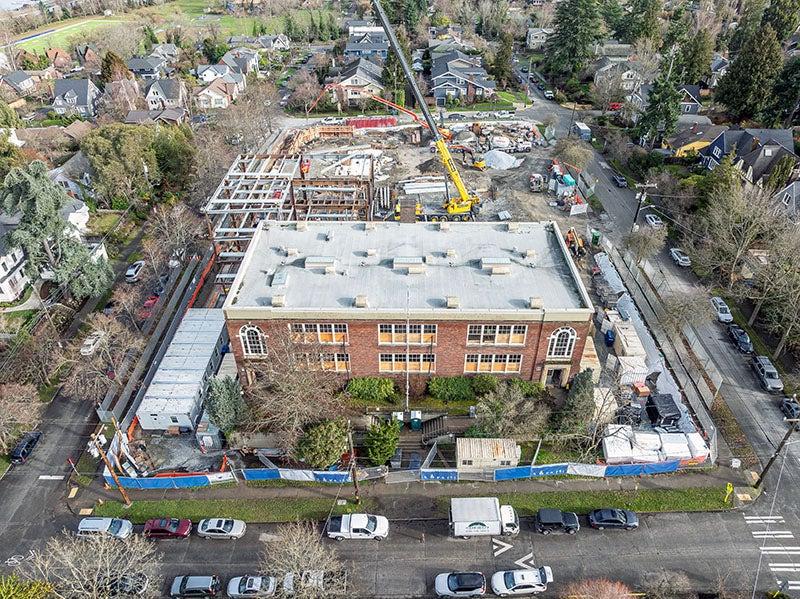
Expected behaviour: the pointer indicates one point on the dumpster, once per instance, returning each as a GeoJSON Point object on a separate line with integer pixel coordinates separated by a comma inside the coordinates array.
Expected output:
{"type": "Point", "coordinates": [595, 237]}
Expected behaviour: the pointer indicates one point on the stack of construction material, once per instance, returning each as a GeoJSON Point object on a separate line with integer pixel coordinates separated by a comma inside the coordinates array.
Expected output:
{"type": "Point", "coordinates": [697, 446]}
{"type": "Point", "coordinates": [646, 445]}
{"type": "Point", "coordinates": [424, 185]}
{"type": "Point", "coordinates": [617, 444]}
{"type": "Point", "coordinates": [675, 446]}
{"type": "Point", "coordinates": [631, 370]}
{"type": "Point", "coordinates": [627, 342]}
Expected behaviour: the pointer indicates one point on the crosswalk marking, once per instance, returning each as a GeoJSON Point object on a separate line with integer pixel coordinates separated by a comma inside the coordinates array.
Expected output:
{"type": "Point", "coordinates": [773, 534]}
{"type": "Point", "coordinates": [790, 585]}
{"type": "Point", "coordinates": [51, 477]}
{"type": "Point", "coordinates": [785, 567]}
{"type": "Point", "coordinates": [780, 550]}
{"type": "Point", "coordinates": [764, 519]}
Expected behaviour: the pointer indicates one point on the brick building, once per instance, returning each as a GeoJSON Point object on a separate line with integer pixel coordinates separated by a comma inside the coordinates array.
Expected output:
{"type": "Point", "coordinates": [447, 299]}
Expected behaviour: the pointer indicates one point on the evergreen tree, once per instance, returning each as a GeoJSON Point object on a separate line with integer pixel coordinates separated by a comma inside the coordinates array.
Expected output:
{"type": "Point", "coordinates": [695, 56]}
{"type": "Point", "coordinates": [784, 109]}
{"type": "Point", "coordinates": [783, 16]}
{"type": "Point", "coordinates": [748, 25]}
{"type": "Point", "coordinates": [613, 16]}
{"type": "Point", "coordinates": [226, 406]}
{"type": "Point", "coordinates": [9, 119]}
{"type": "Point", "coordinates": [663, 108]}
{"type": "Point", "coordinates": [393, 79]}
{"type": "Point", "coordinates": [150, 38]}
{"type": "Point", "coordinates": [323, 444]}
{"type": "Point", "coordinates": [501, 67]}
{"type": "Point", "coordinates": [313, 27]}
{"type": "Point", "coordinates": [642, 20]}
{"type": "Point", "coordinates": [381, 441]}
{"type": "Point", "coordinates": [322, 25]}
{"type": "Point", "coordinates": [724, 180]}
{"type": "Point", "coordinates": [569, 48]}
{"type": "Point", "coordinates": [579, 406]}
{"type": "Point", "coordinates": [752, 73]}
{"type": "Point", "coordinates": [113, 68]}
{"type": "Point", "coordinates": [333, 27]}
{"type": "Point", "coordinates": [289, 27]}
{"type": "Point", "coordinates": [213, 50]}
{"type": "Point", "coordinates": [677, 29]}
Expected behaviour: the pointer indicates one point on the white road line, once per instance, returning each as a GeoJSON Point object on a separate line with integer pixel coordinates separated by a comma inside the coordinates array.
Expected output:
{"type": "Point", "coordinates": [784, 566]}
{"type": "Point", "coordinates": [51, 477]}
{"type": "Point", "coordinates": [773, 534]}
{"type": "Point", "coordinates": [780, 550]}
{"type": "Point", "coordinates": [499, 547]}
{"type": "Point", "coordinates": [524, 562]}
{"type": "Point", "coordinates": [763, 519]}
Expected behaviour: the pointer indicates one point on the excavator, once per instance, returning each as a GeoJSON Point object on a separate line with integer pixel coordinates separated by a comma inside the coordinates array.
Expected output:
{"type": "Point", "coordinates": [465, 205]}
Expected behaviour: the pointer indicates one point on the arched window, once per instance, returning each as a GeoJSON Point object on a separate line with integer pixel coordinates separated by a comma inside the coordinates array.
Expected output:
{"type": "Point", "coordinates": [562, 341]}
{"type": "Point", "coordinates": [252, 339]}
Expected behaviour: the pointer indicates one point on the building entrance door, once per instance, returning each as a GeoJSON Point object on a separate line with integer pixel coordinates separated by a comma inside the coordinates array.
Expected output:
{"type": "Point", "coordinates": [554, 377]}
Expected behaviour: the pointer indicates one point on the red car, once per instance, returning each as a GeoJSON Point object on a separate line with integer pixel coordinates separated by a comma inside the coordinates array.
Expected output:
{"type": "Point", "coordinates": [167, 528]}
{"type": "Point", "coordinates": [615, 106]}
{"type": "Point", "coordinates": [146, 310]}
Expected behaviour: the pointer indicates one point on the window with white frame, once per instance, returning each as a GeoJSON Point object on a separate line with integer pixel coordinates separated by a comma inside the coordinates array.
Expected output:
{"type": "Point", "coordinates": [332, 362]}
{"type": "Point", "coordinates": [496, 363]}
{"type": "Point", "coordinates": [400, 334]}
{"type": "Point", "coordinates": [425, 363]}
{"type": "Point", "coordinates": [562, 342]}
{"type": "Point", "coordinates": [786, 198]}
{"type": "Point", "coordinates": [318, 333]}
{"type": "Point", "coordinates": [252, 339]}
{"type": "Point", "coordinates": [496, 334]}
{"type": "Point", "coordinates": [717, 152]}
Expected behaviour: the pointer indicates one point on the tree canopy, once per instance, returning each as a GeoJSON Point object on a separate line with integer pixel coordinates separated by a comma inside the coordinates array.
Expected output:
{"type": "Point", "coordinates": [660, 117]}
{"type": "Point", "coordinates": [323, 444]}
{"type": "Point", "coordinates": [783, 16]}
{"type": "Point", "coordinates": [784, 109]}
{"type": "Point", "coordinates": [226, 406]}
{"type": "Point", "coordinates": [113, 68]}
{"type": "Point", "coordinates": [578, 26]}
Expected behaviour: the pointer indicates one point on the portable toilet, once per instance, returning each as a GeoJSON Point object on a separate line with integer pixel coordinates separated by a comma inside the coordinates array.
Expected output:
{"type": "Point", "coordinates": [583, 131]}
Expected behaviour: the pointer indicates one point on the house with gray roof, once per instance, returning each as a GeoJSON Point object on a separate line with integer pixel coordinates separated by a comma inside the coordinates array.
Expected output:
{"type": "Point", "coordinates": [20, 81]}
{"type": "Point", "coordinates": [169, 52]}
{"type": "Point", "coordinates": [148, 67]}
{"type": "Point", "coordinates": [367, 44]}
{"type": "Point", "coordinates": [166, 93]}
{"type": "Point", "coordinates": [743, 141]}
{"type": "Point", "coordinates": [75, 96]}
{"type": "Point", "coordinates": [622, 73]}
{"type": "Point", "coordinates": [719, 66]}
{"type": "Point", "coordinates": [457, 76]}
{"type": "Point", "coordinates": [359, 80]}
{"type": "Point", "coordinates": [787, 201]}
{"type": "Point", "coordinates": [168, 116]}
{"type": "Point", "coordinates": [689, 103]}
{"type": "Point", "coordinates": [208, 73]}
{"type": "Point", "coordinates": [274, 42]}
{"type": "Point", "coordinates": [241, 60]}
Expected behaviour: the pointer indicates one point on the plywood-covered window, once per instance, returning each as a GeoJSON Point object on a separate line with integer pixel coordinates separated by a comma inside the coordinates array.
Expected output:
{"type": "Point", "coordinates": [422, 363]}
{"type": "Point", "coordinates": [318, 332]}
{"type": "Point", "coordinates": [411, 334]}
{"type": "Point", "coordinates": [493, 363]}
{"type": "Point", "coordinates": [496, 334]}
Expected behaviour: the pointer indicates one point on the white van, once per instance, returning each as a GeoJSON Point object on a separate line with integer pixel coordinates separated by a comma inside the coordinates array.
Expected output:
{"type": "Point", "coordinates": [121, 529]}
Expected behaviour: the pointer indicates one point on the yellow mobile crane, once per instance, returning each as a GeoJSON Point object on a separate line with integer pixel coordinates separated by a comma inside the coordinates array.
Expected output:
{"type": "Point", "coordinates": [464, 206]}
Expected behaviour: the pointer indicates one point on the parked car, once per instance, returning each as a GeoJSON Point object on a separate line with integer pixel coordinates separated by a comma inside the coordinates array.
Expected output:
{"type": "Point", "coordinates": [541, 86]}
{"type": "Point", "coordinates": [252, 586]}
{"type": "Point", "coordinates": [524, 69]}
{"type": "Point", "coordinates": [549, 520]}
{"type": "Point", "coordinates": [680, 257]}
{"type": "Point", "coordinates": [654, 221]}
{"type": "Point", "coordinates": [619, 180]}
{"type": "Point", "coordinates": [740, 339]}
{"type": "Point", "coordinates": [24, 448]}
{"type": "Point", "coordinates": [195, 586]}
{"type": "Point", "coordinates": [767, 374]}
{"type": "Point", "coordinates": [91, 343]}
{"type": "Point", "coordinates": [548, 93]}
{"type": "Point", "coordinates": [332, 120]}
{"type": "Point", "coordinates": [791, 409]}
{"type": "Point", "coordinates": [456, 116]}
{"type": "Point", "coordinates": [221, 528]}
{"type": "Point", "coordinates": [521, 582]}
{"type": "Point", "coordinates": [167, 528]}
{"type": "Point", "coordinates": [613, 518]}
{"type": "Point", "coordinates": [721, 309]}
{"type": "Point", "coordinates": [614, 106]}
{"type": "Point", "coordinates": [134, 271]}
{"type": "Point", "coordinates": [357, 526]}
{"type": "Point", "coordinates": [95, 525]}
{"type": "Point", "coordinates": [126, 585]}
{"type": "Point", "coordinates": [161, 285]}
{"type": "Point", "coordinates": [460, 584]}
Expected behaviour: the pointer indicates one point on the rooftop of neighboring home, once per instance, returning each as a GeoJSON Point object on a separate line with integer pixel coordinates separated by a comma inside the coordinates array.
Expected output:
{"type": "Point", "coordinates": [746, 140]}
{"type": "Point", "coordinates": [168, 88]}
{"type": "Point", "coordinates": [79, 87]}
{"type": "Point", "coordinates": [364, 67]}
{"type": "Point", "coordinates": [461, 269]}
{"type": "Point", "coordinates": [695, 133]}
{"type": "Point", "coordinates": [461, 65]}
{"type": "Point", "coordinates": [144, 117]}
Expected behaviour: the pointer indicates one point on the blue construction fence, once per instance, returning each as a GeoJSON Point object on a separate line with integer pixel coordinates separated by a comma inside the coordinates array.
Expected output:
{"type": "Point", "coordinates": [319, 476]}
{"type": "Point", "coordinates": [170, 482]}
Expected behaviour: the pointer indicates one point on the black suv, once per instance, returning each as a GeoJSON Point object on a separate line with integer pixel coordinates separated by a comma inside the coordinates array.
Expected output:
{"type": "Point", "coordinates": [740, 339]}
{"type": "Point", "coordinates": [791, 409]}
{"type": "Point", "coordinates": [24, 448]}
{"type": "Point", "coordinates": [549, 520]}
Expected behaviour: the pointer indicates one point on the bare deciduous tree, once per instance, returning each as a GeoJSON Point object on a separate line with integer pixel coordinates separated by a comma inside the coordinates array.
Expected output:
{"type": "Point", "coordinates": [666, 585]}
{"type": "Point", "coordinates": [212, 159]}
{"type": "Point", "coordinates": [607, 90]}
{"type": "Point", "coordinates": [545, 14]}
{"type": "Point", "coordinates": [618, 146]}
{"type": "Point", "coordinates": [20, 409]}
{"type": "Point", "coordinates": [253, 117]}
{"type": "Point", "coordinates": [87, 567]}
{"type": "Point", "coordinates": [179, 229]}
{"type": "Point", "coordinates": [305, 89]}
{"type": "Point", "coordinates": [298, 549]}
{"type": "Point", "coordinates": [37, 356]}
{"type": "Point", "coordinates": [600, 588]}
{"type": "Point", "coordinates": [574, 152]}
{"type": "Point", "coordinates": [126, 300]}
{"type": "Point", "coordinates": [155, 254]}
{"type": "Point", "coordinates": [687, 306]}
{"type": "Point", "coordinates": [646, 58]}
{"type": "Point", "coordinates": [645, 243]}
{"type": "Point", "coordinates": [507, 413]}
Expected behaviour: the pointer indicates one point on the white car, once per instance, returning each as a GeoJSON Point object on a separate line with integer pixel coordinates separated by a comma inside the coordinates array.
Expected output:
{"type": "Point", "coordinates": [460, 584]}
{"type": "Point", "coordinates": [252, 586]}
{"type": "Point", "coordinates": [680, 257]}
{"type": "Point", "coordinates": [332, 120]}
{"type": "Point", "coordinates": [134, 271]}
{"type": "Point", "coordinates": [654, 221]}
{"type": "Point", "coordinates": [521, 582]}
{"type": "Point", "coordinates": [221, 528]}
{"type": "Point", "coordinates": [91, 343]}
{"type": "Point", "coordinates": [721, 309]}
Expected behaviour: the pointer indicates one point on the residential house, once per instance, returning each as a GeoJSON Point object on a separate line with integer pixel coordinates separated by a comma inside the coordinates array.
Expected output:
{"type": "Point", "coordinates": [757, 165]}
{"type": "Point", "coordinates": [217, 94]}
{"type": "Point", "coordinates": [449, 43]}
{"type": "Point", "coordinates": [241, 60]}
{"type": "Point", "coordinates": [787, 201]}
{"type": "Point", "coordinates": [693, 139]}
{"type": "Point", "coordinates": [622, 73]}
{"type": "Point", "coordinates": [537, 37]}
{"type": "Point", "coordinates": [13, 280]}
{"type": "Point", "coordinates": [367, 44]}
{"type": "Point", "coordinates": [211, 72]}
{"type": "Point", "coordinates": [77, 130]}
{"type": "Point", "coordinates": [613, 49]}
{"type": "Point", "coordinates": [20, 82]}
{"type": "Point", "coordinates": [274, 42]}
{"type": "Point", "coordinates": [456, 76]}
{"type": "Point", "coordinates": [743, 141]}
{"type": "Point", "coordinates": [166, 93]}
{"type": "Point", "coordinates": [75, 176]}
{"type": "Point", "coordinates": [358, 27]}
{"type": "Point", "coordinates": [719, 66]}
{"type": "Point", "coordinates": [793, 45]}
{"type": "Point", "coordinates": [59, 58]}
{"type": "Point", "coordinates": [88, 57]}
{"type": "Point", "coordinates": [689, 104]}
{"type": "Point", "coordinates": [148, 67]}
{"type": "Point", "coordinates": [121, 96]}
{"type": "Point", "coordinates": [168, 116]}
{"type": "Point", "coordinates": [75, 96]}
{"type": "Point", "coordinates": [236, 41]}
{"type": "Point", "coordinates": [360, 79]}
{"type": "Point", "coordinates": [168, 52]}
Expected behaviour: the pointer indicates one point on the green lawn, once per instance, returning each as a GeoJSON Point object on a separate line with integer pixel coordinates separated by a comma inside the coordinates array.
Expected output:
{"type": "Point", "coordinates": [250, 510]}
{"type": "Point", "coordinates": [101, 224]}
{"type": "Point", "coordinates": [512, 97]}
{"type": "Point", "coordinates": [64, 30]}
{"type": "Point", "coordinates": [699, 499]}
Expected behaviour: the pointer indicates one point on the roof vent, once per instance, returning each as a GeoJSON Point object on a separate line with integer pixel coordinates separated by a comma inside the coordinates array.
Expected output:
{"type": "Point", "coordinates": [494, 263]}
{"type": "Point", "coordinates": [361, 301]}
{"type": "Point", "coordinates": [513, 227]}
{"type": "Point", "coordinates": [429, 258]}
{"type": "Point", "coordinates": [416, 270]}
{"type": "Point", "coordinates": [330, 270]}
{"type": "Point", "coordinates": [451, 253]}
{"type": "Point", "coordinates": [313, 262]}
{"type": "Point", "coordinates": [371, 252]}
{"type": "Point", "coordinates": [329, 236]}
{"type": "Point", "coordinates": [279, 278]}
{"type": "Point", "coordinates": [452, 301]}
{"type": "Point", "coordinates": [278, 301]}
{"type": "Point", "coordinates": [536, 303]}
{"type": "Point", "coordinates": [301, 226]}
{"type": "Point", "coordinates": [444, 225]}
{"type": "Point", "coordinates": [291, 251]}
{"type": "Point", "coordinates": [406, 261]}
{"type": "Point", "coordinates": [500, 270]}
{"type": "Point", "coordinates": [530, 253]}
{"type": "Point", "coordinates": [369, 226]}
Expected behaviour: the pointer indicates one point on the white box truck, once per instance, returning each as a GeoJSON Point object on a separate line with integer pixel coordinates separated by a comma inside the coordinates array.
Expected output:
{"type": "Point", "coordinates": [481, 517]}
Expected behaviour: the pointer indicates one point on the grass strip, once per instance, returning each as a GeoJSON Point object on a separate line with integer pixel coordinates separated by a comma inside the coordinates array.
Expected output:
{"type": "Point", "coordinates": [267, 509]}
{"type": "Point", "coordinates": [5, 464]}
{"type": "Point", "coordinates": [693, 499]}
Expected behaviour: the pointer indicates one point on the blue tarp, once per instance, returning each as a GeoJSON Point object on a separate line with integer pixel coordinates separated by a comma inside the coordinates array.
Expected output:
{"type": "Point", "coordinates": [331, 477]}
{"type": "Point", "coordinates": [529, 471]}
{"type": "Point", "coordinates": [438, 474]}
{"type": "Point", "coordinates": [261, 473]}
{"type": "Point", "coordinates": [174, 482]}
{"type": "Point", "coordinates": [640, 469]}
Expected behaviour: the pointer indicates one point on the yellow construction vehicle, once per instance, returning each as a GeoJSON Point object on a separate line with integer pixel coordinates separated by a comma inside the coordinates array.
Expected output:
{"type": "Point", "coordinates": [461, 207]}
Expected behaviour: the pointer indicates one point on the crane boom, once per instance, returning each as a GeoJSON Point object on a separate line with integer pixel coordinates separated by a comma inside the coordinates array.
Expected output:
{"type": "Point", "coordinates": [465, 202]}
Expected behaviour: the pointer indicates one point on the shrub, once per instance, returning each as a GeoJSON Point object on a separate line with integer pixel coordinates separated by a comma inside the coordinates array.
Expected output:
{"type": "Point", "coordinates": [371, 389]}
{"type": "Point", "coordinates": [528, 388]}
{"type": "Point", "coordinates": [381, 441]}
{"type": "Point", "coordinates": [484, 383]}
{"type": "Point", "coordinates": [323, 444]}
{"type": "Point", "coordinates": [476, 432]}
{"type": "Point", "coordinates": [451, 389]}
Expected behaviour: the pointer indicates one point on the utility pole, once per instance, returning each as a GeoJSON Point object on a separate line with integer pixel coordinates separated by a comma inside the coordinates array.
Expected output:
{"type": "Point", "coordinates": [105, 459]}
{"type": "Point", "coordinates": [642, 198]}
{"type": "Point", "coordinates": [792, 424]}
{"type": "Point", "coordinates": [356, 492]}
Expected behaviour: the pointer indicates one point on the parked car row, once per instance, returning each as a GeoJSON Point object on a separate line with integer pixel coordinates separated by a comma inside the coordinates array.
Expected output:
{"type": "Point", "coordinates": [163, 528]}
{"type": "Point", "coordinates": [248, 585]}
{"type": "Point", "coordinates": [504, 583]}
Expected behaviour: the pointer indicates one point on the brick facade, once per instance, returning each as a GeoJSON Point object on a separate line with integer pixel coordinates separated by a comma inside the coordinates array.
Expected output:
{"type": "Point", "coordinates": [450, 349]}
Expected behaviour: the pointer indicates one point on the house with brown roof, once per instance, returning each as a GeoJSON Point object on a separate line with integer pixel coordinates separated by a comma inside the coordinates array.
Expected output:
{"type": "Point", "coordinates": [216, 94]}
{"type": "Point", "coordinates": [59, 58]}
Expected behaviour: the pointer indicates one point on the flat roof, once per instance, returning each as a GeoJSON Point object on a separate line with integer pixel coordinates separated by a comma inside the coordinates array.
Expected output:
{"type": "Point", "coordinates": [522, 269]}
